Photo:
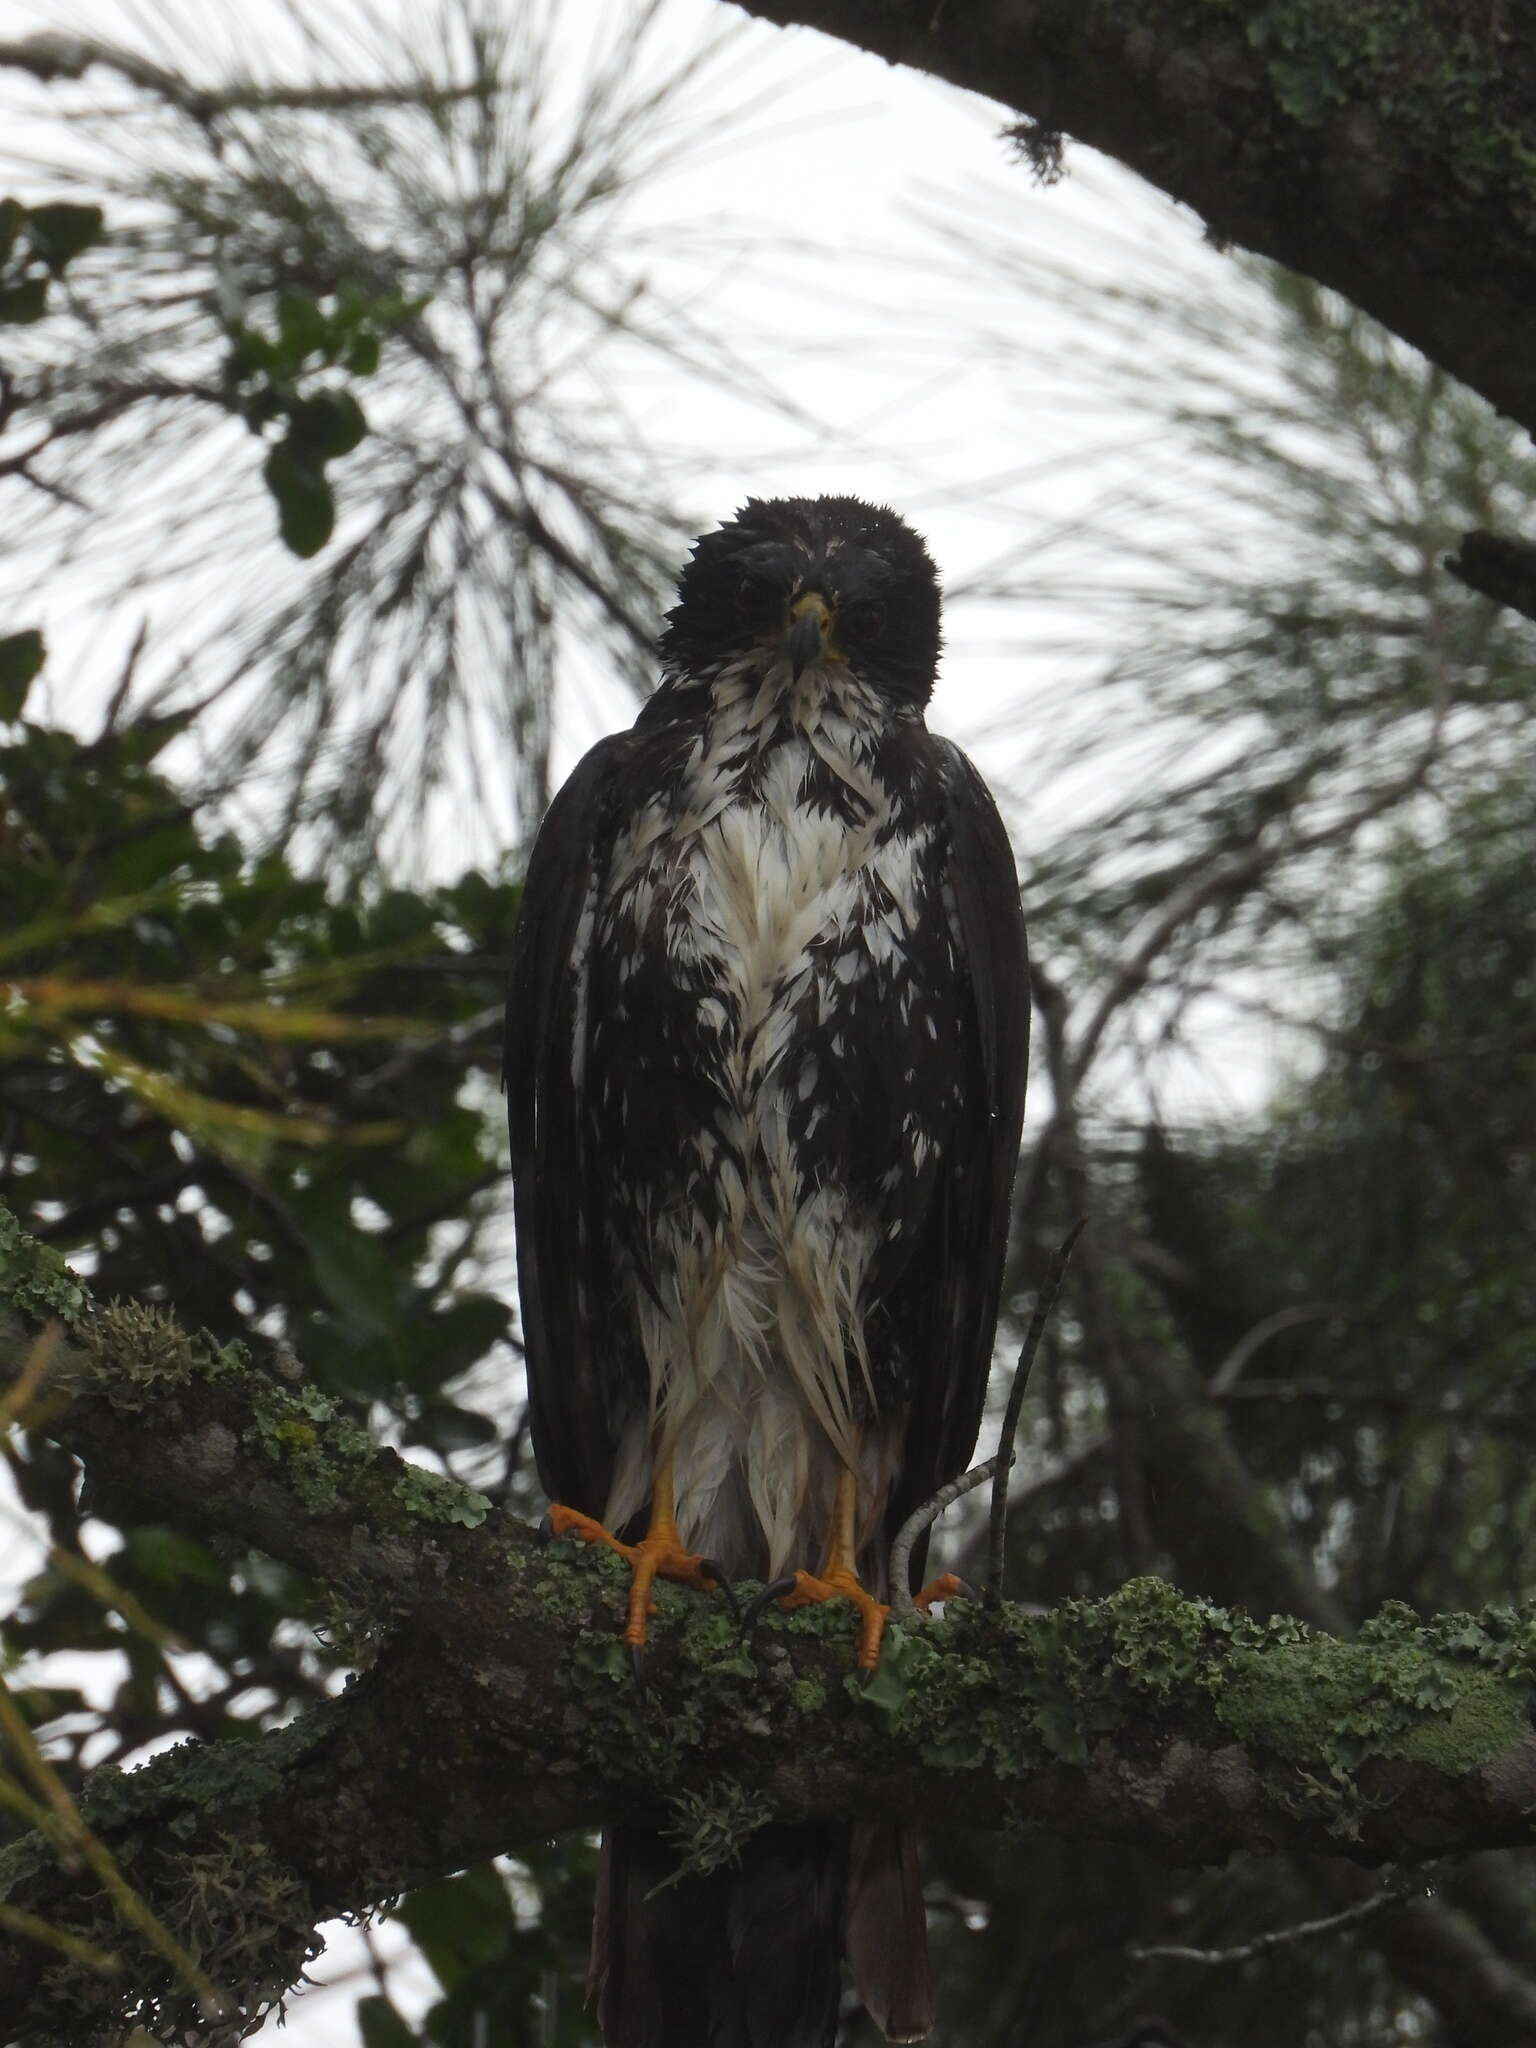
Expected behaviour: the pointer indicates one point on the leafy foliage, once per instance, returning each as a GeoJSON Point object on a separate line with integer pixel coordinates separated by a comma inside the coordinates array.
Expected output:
{"type": "Point", "coordinates": [21, 661]}
{"type": "Point", "coordinates": [37, 244]}
{"type": "Point", "coordinates": [269, 378]}
{"type": "Point", "coordinates": [221, 1086]}
{"type": "Point", "coordinates": [500, 1944]}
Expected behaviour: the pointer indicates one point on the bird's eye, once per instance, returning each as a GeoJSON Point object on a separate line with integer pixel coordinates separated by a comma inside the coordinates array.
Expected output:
{"type": "Point", "coordinates": [863, 620]}
{"type": "Point", "coordinates": [749, 594]}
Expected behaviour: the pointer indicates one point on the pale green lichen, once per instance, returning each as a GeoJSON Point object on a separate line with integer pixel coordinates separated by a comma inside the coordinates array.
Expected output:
{"type": "Point", "coordinates": [711, 1825]}
{"type": "Point", "coordinates": [140, 1350]}
{"type": "Point", "coordinates": [433, 1498]}
{"type": "Point", "coordinates": [1005, 1693]}
{"type": "Point", "coordinates": [35, 1279]}
{"type": "Point", "coordinates": [247, 1919]}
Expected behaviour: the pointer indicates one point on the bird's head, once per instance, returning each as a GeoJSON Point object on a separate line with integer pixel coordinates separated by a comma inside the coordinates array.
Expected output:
{"type": "Point", "coordinates": [810, 581]}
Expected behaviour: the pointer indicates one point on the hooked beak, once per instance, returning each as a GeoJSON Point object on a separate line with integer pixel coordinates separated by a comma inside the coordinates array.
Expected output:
{"type": "Point", "coordinates": [810, 630]}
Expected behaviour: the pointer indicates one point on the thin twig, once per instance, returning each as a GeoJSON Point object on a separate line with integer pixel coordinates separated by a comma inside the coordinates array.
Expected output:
{"type": "Point", "coordinates": [1248, 1347]}
{"type": "Point", "coordinates": [124, 685]}
{"type": "Point", "coordinates": [29, 1379]}
{"type": "Point", "coordinates": [51, 56]}
{"type": "Point", "coordinates": [131, 1910]}
{"type": "Point", "coordinates": [14, 1921]}
{"type": "Point", "coordinates": [1039, 1482]}
{"type": "Point", "coordinates": [1046, 1301]}
{"type": "Point", "coordinates": [1278, 1937]}
{"type": "Point", "coordinates": [902, 1607]}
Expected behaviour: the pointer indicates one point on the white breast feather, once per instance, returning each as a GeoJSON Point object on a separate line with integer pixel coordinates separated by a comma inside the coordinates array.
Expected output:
{"type": "Point", "coordinates": [748, 1347]}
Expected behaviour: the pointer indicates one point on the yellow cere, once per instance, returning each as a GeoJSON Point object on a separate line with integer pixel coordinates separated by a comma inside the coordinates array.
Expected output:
{"type": "Point", "coordinates": [812, 601]}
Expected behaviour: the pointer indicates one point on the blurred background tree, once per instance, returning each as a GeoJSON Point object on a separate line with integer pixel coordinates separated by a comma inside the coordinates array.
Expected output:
{"type": "Point", "coordinates": [343, 384]}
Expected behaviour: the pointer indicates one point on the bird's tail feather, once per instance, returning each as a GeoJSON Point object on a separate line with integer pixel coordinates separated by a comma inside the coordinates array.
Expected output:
{"type": "Point", "coordinates": [888, 1931]}
{"type": "Point", "coordinates": [749, 1957]}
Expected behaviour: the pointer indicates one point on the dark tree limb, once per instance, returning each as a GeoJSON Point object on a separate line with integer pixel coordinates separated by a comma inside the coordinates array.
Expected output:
{"type": "Point", "coordinates": [502, 1706]}
{"type": "Point", "coordinates": [1389, 152]}
{"type": "Point", "coordinates": [51, 56]}
{"type": "Point", "coordinates": [1497, 567]}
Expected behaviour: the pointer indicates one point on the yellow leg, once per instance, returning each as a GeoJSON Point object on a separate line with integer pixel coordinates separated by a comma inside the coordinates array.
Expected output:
{"type": "Point", "coordinates": [838, 1578]}
{"type": "Point", "coordinates": [658, 1554]}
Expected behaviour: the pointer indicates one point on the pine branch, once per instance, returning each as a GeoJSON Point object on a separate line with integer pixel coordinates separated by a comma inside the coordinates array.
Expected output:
{"type": "Point", "coordinates": [52, 56]}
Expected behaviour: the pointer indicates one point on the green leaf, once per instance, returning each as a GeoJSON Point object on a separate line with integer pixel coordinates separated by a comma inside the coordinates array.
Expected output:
{"type": "Point", "coordinates": [327, 425]}
{"type": "Point", "coordinates": [355, 1273]}
{"type": "Point", "coordinates": [59, 232]}
{"type": "Point", "coordinates": [446, 1428]}
{"type": "Point", "coordinates": [887, 1691]}
{"type": "Point", "coordinates": [301, 326]}
{"type": "Point", "coordinates": [306, 510]}
{"type": "Point", "coordinates": [362, 357]}
{"type": "Point", "coordinates": [21, 657]}
{"type": "Point", "coordinates": [461, 1921]}
{"type": "Point", "coordinates": [381, 2026]}
{"type": "Point", "coordinates": [458, 1336]}
{"type": "Point", "coordinates": [21, 304]}
{"type": "Point", "coordinates": [250, 352]}
{"type": "Point", "coordinates": [166, 1556]}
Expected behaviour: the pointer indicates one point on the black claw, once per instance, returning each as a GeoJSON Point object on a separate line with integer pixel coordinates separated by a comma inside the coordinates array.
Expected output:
{"type": "Point", "coordinates": [966, 1591]}
{"type": "Point", "coordinates": [769, 1593]}
{"type": "Point", "coordinates": [545, 1531]}
{"type": "Point", "coordinates": [711, 1570]}
{"type": "Point", "coordinates": [637, 1666]}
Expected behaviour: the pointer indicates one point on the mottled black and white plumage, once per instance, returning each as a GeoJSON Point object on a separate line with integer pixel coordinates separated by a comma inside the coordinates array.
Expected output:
{"type": "Point", "coordinates": [765, 1058]}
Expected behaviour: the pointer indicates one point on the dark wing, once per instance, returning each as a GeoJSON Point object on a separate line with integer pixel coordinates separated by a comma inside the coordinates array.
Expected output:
{"type": "Point", "coordinates": [559, 1244]}
{"type": "Point", "coordinates": [948, 1296]}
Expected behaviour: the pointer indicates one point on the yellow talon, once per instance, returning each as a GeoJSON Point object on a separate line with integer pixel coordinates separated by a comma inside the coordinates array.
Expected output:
{"type": "Point", "coordinates": [658, 1554]}
{"type": "Point", "coordinates": [838, 1578]}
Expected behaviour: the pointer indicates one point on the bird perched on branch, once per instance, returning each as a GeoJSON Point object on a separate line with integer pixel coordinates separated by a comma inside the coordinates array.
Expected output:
{"type": "Point", "coordinates": [766, 1047]}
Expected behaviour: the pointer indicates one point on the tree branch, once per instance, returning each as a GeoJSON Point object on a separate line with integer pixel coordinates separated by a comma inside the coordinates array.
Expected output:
{"type": "Point", "coordinates": [1496, 566]}
{"type": "Point", "coordinates": [1276, 1937]}
{"type": "Point", "coordinates": [1387, 153]}
{"type": "Point", "coordinates": [503, 1706]}
{"type": "Point", "coordinates": [51, 56]}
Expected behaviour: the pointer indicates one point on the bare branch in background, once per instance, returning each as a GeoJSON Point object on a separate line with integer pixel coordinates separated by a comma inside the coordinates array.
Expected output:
{"type": "Point", "coordinates": [56, 55]}
{"type": "Point", "coordinates": [1277, 1937]}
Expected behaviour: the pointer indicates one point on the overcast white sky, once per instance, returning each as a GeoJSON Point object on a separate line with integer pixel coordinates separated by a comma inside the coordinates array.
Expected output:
{"type": "Point", "coordinates": [816, 260]}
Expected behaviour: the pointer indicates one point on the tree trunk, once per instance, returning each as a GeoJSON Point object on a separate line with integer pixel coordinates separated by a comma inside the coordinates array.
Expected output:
{"type": "Point", "coordinates": [1387, 151]}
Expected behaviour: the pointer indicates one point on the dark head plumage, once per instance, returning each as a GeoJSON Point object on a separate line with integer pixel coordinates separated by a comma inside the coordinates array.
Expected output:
{"type": "Point", "coordinates": [880, 586]}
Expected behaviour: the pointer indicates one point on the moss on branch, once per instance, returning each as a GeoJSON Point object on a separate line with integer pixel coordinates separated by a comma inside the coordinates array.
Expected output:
{"type": "Point", "coordinates": [502, 1703]}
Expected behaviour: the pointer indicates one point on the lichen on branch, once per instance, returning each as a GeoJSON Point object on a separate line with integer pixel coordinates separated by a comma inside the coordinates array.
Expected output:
{"type": "Point", "coordinates": [502, 1704]}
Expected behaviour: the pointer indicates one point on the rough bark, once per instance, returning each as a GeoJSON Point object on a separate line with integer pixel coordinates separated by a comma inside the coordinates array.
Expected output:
{"type": "Point", "coordinates": [501, 1704]}
{"type": "Point", "coordinates": [1384, 147]}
